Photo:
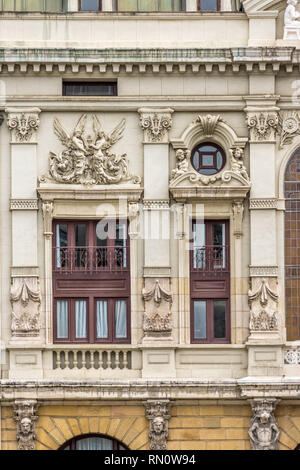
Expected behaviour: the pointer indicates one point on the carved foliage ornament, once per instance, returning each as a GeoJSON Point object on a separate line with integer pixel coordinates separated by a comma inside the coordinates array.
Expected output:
{"type": "Point", "coordinates": [87, 158]}
{"type": "Point", "coordinates": [208, 124]}
{"type": "Point", "coordinates": [23, 125]}
{"type": "Point", "coordinates": [158, 414]}
{"type": "Point", "coordinates": [263, 301]}
{"type": "Point", "coordinates": [25, 416]}
{"type": "Point", "coordinates": [289, 125]}
{"type": "Point", "coordinates": [25, 299]}
{"type": "Point", "coordinates": [156, 126]}
{"type": "Point", "coordinates": [264, 430]}
{"type": "Point", "coordinates": [156, 319]}
{"type": "Point", "coordinates": [263, 125]}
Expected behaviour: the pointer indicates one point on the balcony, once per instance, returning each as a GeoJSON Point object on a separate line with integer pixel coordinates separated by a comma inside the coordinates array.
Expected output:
{"type": "Point", "coordinates": [89, 259]}
{"type": "Point", "coordinates": [210, 259]}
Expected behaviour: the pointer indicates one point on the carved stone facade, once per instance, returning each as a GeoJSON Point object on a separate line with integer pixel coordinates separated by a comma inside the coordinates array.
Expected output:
{"type": "Point", "coordinates": [263, 301]}
{"type": "Point", "coordinates": [25, 299]}
{"type": "Point", "coordinates": [156, 124]}
{"type": "Point", "coordinates": [23, 124]}
{"type": "Point", "coordinates": [263, 125]}
{"type": "Point", "coordinates": [158, 414]}
{"type": "Point", "coordinates": [158, 303]}
{"type": "Point", "coordinates": [264, 431]}
{"type": "Point", "coordinates": [25, 416]}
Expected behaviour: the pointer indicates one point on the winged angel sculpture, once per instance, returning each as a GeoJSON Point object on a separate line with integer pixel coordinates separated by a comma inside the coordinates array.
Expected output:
{"type": "Point", "coordinates": [86, 159]}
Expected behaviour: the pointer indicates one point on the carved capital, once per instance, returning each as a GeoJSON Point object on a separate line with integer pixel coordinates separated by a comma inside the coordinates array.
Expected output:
{"type": "Point", "coordinates": [47, 216]}
{"type": "Point", "coordinates": [158, 303]}
{"type": "Point", "coordinates": [156, 124]}
{"type": "Point", "coordinates": [25, 299]}
{"type": "Point", "coordinates": [158, 414]}
{"type": "Point", "coordinates": [238, 212]}
{"type": "Point", "coordinates": [25, 416]}
{"type": "Point", "coordinates": [264, 431]}
{"type": "Point", "coordinates": [263, 301]}
{"type": "Point", "coordinates": [23, 124]}
{"type": "Point", "coordinates": [263, 125]}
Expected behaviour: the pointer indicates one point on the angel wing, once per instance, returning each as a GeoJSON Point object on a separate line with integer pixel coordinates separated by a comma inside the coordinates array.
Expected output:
{"type": "Point", "coordinates": [96, 124]}
{"type": "Point", "coordinates": [81, 124]}
{"type": "Point", "coordinates": [117, 133]}
{"type": "Point", "coordinates": [61, 133]}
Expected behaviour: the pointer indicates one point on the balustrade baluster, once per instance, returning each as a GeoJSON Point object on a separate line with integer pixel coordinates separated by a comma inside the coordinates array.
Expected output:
{"type": "Point", "coordinates": [117, 359]}
{"type": "Point", "coordinates": [75, 360]}
{"type": "Point", "coordinates": [83, 359]}
{"type": "Point", "coordinates": [67, 359]}
{"type": "Point", "coordinates": [109, 359]}
{"type": "Point", "coordinates": [58, 360]}
{"type": "Point", "coordinates": [92, 359]}
{"type": "Point", "coordinates": [125, 359]}
{"type": "Point", "coordinates": [100, 359]}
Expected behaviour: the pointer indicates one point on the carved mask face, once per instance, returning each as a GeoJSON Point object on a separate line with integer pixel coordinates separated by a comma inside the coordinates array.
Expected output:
{"type": "Point", "coordinates": [26, 425]}
{"type": "Point", "coordinates": [158, 425]}
{"type": "Point", "coordinates": [264, 417]}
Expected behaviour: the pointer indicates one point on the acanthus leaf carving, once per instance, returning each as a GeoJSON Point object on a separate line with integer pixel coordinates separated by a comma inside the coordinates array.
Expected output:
{"type": "Point", "coordinates": [289, 126]}
{"type": "Point", "coordinates": [158, 414]}
{"type": "Point", "coordinates": [25, 298]}
{"type": "Point", "coordinates": [264, 431]}
{"type": "Point", "coordinates": [23, 123]}
{"type": "Point", "coordinates": [208, 123]}
{"type": "Point", "coordinates": [156, 124]}
{"type": "Point", "coordinates": [263, 302]}
{"type": "Point", "coordinates": [87, 159]}
{"type": "Point", "coordinates": [25, 416]}
{"type": "Point", "coordinates": [263, 125]}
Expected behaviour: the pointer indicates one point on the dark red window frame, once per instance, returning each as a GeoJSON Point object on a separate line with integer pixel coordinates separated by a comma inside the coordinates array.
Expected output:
{"type": "Point", "coordinates": [75, 282]}
{"type": "Point", "coordinates": [218, 5]}
{"type": "Point", "coordinates": [72, 442]}
{"type": "Point", "coordinates": [209, 284]}
{"type": "Point", "coordinates": [212, 153]}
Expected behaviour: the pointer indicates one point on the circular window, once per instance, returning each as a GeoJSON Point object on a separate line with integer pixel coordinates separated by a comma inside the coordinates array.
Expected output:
{"type": "Point", "coordinates": [208, 158]}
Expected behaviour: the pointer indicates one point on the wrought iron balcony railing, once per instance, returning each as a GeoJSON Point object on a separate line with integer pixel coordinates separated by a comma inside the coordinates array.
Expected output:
{"type": "Point", "coordinates": [208, 259]}
{"type": "Point", "coordinates": [90, 259]}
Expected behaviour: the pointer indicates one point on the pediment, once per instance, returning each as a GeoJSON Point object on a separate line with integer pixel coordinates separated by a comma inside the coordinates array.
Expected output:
{"type": "Point", "coordinates": [258, 6]}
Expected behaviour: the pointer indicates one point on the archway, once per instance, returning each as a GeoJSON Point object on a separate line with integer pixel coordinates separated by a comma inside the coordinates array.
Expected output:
{"type": "Point", "coordinates": [93, 442]}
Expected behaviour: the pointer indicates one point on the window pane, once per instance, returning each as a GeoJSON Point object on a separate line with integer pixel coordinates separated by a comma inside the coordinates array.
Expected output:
{"type": "Point", "coordinates": [208, 5]}
{"type": "Point", "coordinates": [121, 240]}
{"type": "Point", "coordinates": [102, 320]}
{"type": "Point", "coordinates": [219, 240]}
{"type": "Point", "coordinates": [170, 5]}
{"type": "Point", "coordinates": [121, 317]}
{"type": "Point", "coordinates": [148, 5]}
{"type": "Point", "coordinates": [199, 319]}
{"type": "Point", "coordinates": [80, 316]}
{"type": "Point", "coordinates": [90, 88]}
{"type": "Point", "coordinates": [61, 243]}
{"type": "Point", "coordinates": [62, 319]}
{"type": "Point", "coordinates": [90, 5]}
{"type": "Point", "coordinates": [199, 245]}
{"type": "Point", "coordinates": [219, 318]}
{"type": "Point", "coordinates": [54, 5]}
{"type": "Point", "coordinates": [34, 5]}
{"type": "Point", "coordinates": [80, 235]}
{"type": "Point", "coordinates": [127, 5]}
{"type": "Point", "coordinates": [94, 443]}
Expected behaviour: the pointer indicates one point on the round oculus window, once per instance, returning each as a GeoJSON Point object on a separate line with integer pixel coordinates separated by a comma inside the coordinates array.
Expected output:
{"type": "Point", "coordinates": [208, 158]}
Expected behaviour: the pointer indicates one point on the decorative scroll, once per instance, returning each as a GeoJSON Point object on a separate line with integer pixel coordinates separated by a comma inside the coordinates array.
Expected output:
{"type": "Point", "coordinates": [263, 302]}
{"type": "Point", "coordinates": [263, 125]}
{"type": "Point", "coordinates": [25, 299]}
{"type": "Point", "coordinates": [264, 431]}
{"type": "Point", "coordinates": [23, 124]}
{"type": "Point", "coordinates": [156, 123]}
{"type": "Point", "coordinates": [158, 414]}
{"type": "Point", "coordinates": [25, 416]}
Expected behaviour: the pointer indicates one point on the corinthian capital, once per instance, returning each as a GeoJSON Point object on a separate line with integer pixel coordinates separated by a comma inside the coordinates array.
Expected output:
{"type": "Point", "coordinates": [156, 123]}
{"type": "Point", "coordinates": [263, 125]}
{"type": "Point", "coordinates": [23, 124]}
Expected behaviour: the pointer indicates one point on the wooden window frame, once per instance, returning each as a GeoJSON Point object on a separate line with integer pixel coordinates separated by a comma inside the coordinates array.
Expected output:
{"type": "Point", "coordinates": [216, 278]}
{"type": "Point", "coordinates": [218, 4]}
{"type": "Point", "coordinates": [99, 7]}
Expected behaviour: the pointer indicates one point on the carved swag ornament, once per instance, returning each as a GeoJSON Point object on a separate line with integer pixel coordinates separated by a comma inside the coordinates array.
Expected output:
{"type": "Point", "coordinates": [25, 299]}
{"type": "Point", "coordinates": [263, 302]}
{"type": "Point", "coordinates": [87, 158]}
{"type": "Point", "coordinates": [25, 416]}
{"type": "Point", "coordinates": [157, 321]}
{"type": "Point", "coordinates": [158, 414]}
{"type": "Point", "coordinates": [264, 431]}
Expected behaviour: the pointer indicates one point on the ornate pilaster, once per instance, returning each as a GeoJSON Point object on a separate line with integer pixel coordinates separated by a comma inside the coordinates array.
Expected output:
{"type": "Point", "coordinates": [25, 416]}
{"type": "Point", "coordinates": [158, 414]}
{"type": "Point", "coordinates": [156, 123]}
{"type": "Point", "coordinates": [264, 431]}
{"type": "Point", "coordinates": [23, 124]}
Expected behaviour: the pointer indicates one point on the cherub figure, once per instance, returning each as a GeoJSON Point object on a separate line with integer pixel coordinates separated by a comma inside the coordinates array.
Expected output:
{"type": "Point", "coordinates": [291, 15]}
{"type": "Point", "coordinates": [182, 163]}
{"type": "Point", "coordinates": [237, 165]}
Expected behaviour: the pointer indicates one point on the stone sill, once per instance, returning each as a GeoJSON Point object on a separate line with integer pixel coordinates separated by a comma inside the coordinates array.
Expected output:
{"type": "Point", "coordinates": [130, 15]}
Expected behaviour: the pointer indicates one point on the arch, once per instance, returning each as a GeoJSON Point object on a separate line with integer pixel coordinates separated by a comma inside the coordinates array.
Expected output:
{"type": "Point", "coordinates": [93, 441]}
{"type": "Point", "coordinates": [283, 166]}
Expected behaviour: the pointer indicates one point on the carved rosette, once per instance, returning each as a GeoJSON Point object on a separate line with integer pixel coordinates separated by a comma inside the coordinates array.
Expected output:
{"type": "Point", "coordinates": [263, 125]}
{"type": "Point", "coordinates": [289, 126]}
{"type": "Point", "coordinates": [25, 299]}
{"type": "Point", "coordinates": [158, 303]}
{"type": "Point", "coordinates": [264, 431]}
{"type": "Point", "coordinates": [158, 414]}
{"type": "Point", "coordinates": [156, 124]}
{"type": "Point", "coordinates": [23, 124]}
{"type": "Point", "coordinates": [25, 416]}
{"type": "Point", "coordinates": [263, 301]}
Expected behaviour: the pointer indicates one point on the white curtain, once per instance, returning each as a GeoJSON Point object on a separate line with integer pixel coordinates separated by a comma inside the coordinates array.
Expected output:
{"type": "Point", "coordinates": [62, 319]}
{"type": "Point", "coordinates": [121, 324]}
{"type": "Point", "coordinates": [58, 261]}
{"type": "Point", "coordinates": [80, 314]}
{"type": "Point", "coordinates": [102, 324]}
{"type": "Point", "coordinates": [94, 443]}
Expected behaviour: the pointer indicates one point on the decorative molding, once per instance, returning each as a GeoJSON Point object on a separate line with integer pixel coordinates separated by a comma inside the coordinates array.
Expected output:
{"type": "Point", "coordinates": [157, 316]}
{"type": "Point", "coordinates": [238, 212]}
{"type": "Point", "coordinates": [158, 414]}
{"type": "Point", "coordinates": [263, 271]}
{"type": "Point", "coordinates": [25, 416]}
{"type": "Point", "coordinates": [24, 204]}
{"type": "Point", "coordinates": [47, 208]}
{"type": "Point", "coordinates": [87, 159]}
{"type": "Point", "coordinates": [208, 124]}
{"type": "Point", "coordinates": [23, 124]}
{"type": "Point", "coordinates": [289, 126]}
{"type": "Point", "coordinates": [264, 431]}
{"type": "Point", "coordinates": [263, 302]}
{"type": "Point", "coordinates": [156, 123]}
{"type": "Point", "coordinates": [266, 203]}
{"type": "Point", "coordinates": [156, 204]}
{"type": "Point", "coordinates": [25, 299]}
{"type": "Point", "coordinates": [292, 355]}
{"type": "Point", "coordinates": [263, 125]}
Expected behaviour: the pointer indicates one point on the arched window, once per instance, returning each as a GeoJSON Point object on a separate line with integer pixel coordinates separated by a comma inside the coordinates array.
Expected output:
{"type": "Point", "coordinates": [93, 442]}
{"type": "Point", "coordinates": [292, 247]}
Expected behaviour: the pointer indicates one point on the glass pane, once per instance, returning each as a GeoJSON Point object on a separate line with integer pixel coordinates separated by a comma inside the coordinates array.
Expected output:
{"type": "Point", "coordinates": [127, 5]}
{"type": "Point", "coordinates": [207, 160]}
{"type": "Point", "coordinates": [121, 319]}
{"type": "Point", "coordinates": [80, 235]}
{"type": "Point", "coordinates": [219, 240]}
{"type": "Point", "coordinates": [34, 5]}
{"type": "Point", "coordinates": [8, 5]}
{"type": "Point", "coordinates": [61, 243]}
{"type": "Point", "coordinates": [62, 319]}
{"type": "Point", "coordinates": [94, 443]}
{"type": "Point", "coordinates": [199, 245]}
{"type": "Point", "coordinates": [169, 5]}
{"type": "Point", "coordinates": [90, 5]}
{"type": "Point", "coordinates": [209, 5]}
{"type": "Point", "coordinates": [220, 318]}
{"type": "Point", "coordinates": [121, 240]}
{"type": "Point", "coordinates": [90, 89]}
{"type": "Point", "coordinates": [199, 319]}
{"type": "Point", "coordinates": [102, 320]}
{"type": "Point", "coordinates": [147, 5]}
{"type": "Point", "coordinates": [80, 317]}
{"type": "Point", "coordinates": [54, 5]}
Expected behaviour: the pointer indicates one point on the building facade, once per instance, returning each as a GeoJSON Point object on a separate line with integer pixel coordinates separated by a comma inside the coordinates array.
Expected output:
{"type": "Point", "coordinates": [150, 160]}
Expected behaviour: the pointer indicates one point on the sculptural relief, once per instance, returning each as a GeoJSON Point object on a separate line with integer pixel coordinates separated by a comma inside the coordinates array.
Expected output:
{"type": "Point", "coordinates": [157, 315]}
{"type": "Point", "coordinates": [263, 301]}
{"type": "Point", "coordinates": [25, 299]}
{"type": "Point", "coordinates": [25, 415]}
{"type": "Point", "coordinates": [291, 21]}
{"type": "Point", "coordinates": [158, 414]}
{"type": "Point", "coordinates": [264, 431]}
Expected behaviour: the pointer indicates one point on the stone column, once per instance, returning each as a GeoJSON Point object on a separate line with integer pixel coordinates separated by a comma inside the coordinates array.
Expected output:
{"type": "Point", "coordinates": [25, 290]}
{"type": "Point", "coordinates": [25, 416]}
{"type": "Point", "coordinates": [156, 123]}
{"type": "Point", "coordinates": [265, 340]}
{"type": "Point", "coordinates": [264, 431]}
{"type": "Point", "coordinates": [158, 414]}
